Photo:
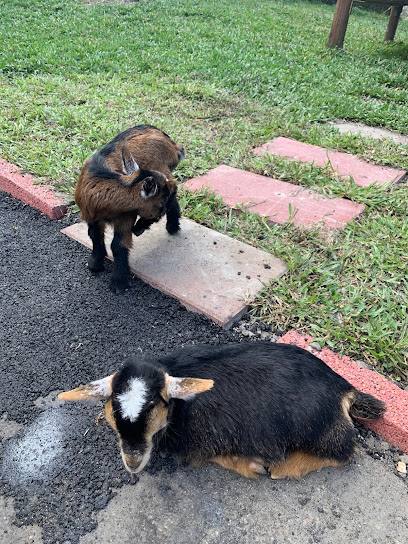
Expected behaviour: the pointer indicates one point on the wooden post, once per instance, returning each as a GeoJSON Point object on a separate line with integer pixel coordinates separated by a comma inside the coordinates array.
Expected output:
{"type": "Point", "coordinates": [393, 23]}
{"type": "Point", "coordinates": [339, 24]}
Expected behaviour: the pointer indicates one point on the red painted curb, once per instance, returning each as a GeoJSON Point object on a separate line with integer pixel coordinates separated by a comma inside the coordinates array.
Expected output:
{"type": "Point", "coordinates": [363, 173]}
{"type": "Point", "coordinates": [22, 187]}
{"type": "Point", "coordinates": [394, 425]}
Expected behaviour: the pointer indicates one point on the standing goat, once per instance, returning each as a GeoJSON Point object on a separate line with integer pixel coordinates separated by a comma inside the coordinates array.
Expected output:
{"type": "Point", "coordinates": [248, 407]}
{"type": "Point", "coordinates": [129, 177]}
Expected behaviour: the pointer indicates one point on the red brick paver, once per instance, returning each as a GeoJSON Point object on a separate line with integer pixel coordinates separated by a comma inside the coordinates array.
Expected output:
{"type": "Point", "coordinates": [276, 199]}
{"type": "Point", "coordinates": [206, 271]}
{"type": "Point", "coordinates": [22, 187]}
{"type": "Point", "coordinates": [364, 173]}
{"type": "Point", "coordinates": [394, 425]}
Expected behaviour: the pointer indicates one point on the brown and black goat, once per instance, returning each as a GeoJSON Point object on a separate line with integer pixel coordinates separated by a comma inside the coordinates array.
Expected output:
{"type": "Point", "coordinates": [129, 177]}
{"type": "Point", "coordinates": [253, 408]}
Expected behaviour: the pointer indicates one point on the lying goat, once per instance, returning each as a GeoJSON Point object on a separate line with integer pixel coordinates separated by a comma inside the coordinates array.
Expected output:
{"type": "Point", "coordinates": [129, 177]}
{"type": "Point", "coordinates": [248, 407]}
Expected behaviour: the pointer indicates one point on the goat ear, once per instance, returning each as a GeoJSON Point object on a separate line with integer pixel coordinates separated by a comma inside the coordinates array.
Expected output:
{"type": "Point", "coordinates": [99, 389]}
{"type": "Point", "coordinates": [129, 165]}
{"type": "Point", "coordinates": [149, 188]}
{"type": "Point", "coordinates": [185, 388]}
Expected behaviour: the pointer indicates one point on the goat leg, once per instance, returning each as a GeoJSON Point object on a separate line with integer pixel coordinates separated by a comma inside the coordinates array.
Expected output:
{"type": "Point", "coordinates": [96, 234]}
{"type": "Point", "coordinates": [120, 250]}
{"type": "Point", "coordinates": [173, 214]}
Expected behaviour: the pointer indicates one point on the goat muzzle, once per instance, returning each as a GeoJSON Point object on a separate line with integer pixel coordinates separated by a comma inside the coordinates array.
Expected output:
{"type": "Point", "coordinates": [132, 464]}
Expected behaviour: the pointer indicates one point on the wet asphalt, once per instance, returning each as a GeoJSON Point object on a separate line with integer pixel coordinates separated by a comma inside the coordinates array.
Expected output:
{"type": "Point", "coordinates": [61, 327]}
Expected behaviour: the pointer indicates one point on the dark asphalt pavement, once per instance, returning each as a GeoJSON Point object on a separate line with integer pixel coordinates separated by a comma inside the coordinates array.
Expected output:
{"type": "Point", "coordinates": [62, 327]}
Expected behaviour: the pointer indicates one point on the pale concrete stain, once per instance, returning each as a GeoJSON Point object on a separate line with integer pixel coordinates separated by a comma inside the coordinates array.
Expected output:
{"type": "Point", "coordinates": [34, 454]}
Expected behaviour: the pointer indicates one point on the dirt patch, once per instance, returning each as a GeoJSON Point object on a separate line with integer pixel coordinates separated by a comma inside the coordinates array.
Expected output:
{"type": "Point", "coordinates": [43, 403]}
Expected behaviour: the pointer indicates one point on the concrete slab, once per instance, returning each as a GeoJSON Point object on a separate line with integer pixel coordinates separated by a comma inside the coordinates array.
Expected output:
{"type": "Point", "coordinates": [364, 173]}
{"type": "Point", "coordinates": [276, 200]}
{"type": "Point", "coordinates": [361, 503]}
{"type": "Point", "coordinates": [378, 133]}
{"type": "Point", "coordinates": [206, 271]}
{"type": "Point", "coordinates": [40, 197]}
{"type": "Point", "coordinates": [10, 533]}
{"type": "Point", "coordinates": [394, 425]}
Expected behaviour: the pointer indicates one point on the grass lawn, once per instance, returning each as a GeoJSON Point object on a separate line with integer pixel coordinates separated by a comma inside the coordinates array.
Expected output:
{"type": "Point", "coordinates": [221, 78]}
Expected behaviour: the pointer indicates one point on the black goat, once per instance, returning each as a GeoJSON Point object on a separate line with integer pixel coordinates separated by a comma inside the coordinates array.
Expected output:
{"type": "Point", "coordinates": [248, 407]}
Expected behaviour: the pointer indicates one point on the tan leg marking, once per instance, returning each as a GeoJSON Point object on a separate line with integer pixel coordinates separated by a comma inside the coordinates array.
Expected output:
{"type": "Point", "coordinates": [299, 464]}
{"type": "Point", "coordinates": [347, 400]}
{"type": "Point", "coordinates": [250, 468]}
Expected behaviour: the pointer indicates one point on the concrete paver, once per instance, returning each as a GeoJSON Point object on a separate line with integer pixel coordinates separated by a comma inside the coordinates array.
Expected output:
{"type": "Point", "coordinates": [276, 200]}
{"type": "Point", "coordinates": [208, 272]}
{"type": "Point", "coordinates": [364, 173]}
{"type": "Point", "coordinates": [378, 133]}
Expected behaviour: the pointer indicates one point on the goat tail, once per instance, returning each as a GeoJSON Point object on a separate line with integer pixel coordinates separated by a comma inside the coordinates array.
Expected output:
{"type": "Point", "coordinates": [366, 406]}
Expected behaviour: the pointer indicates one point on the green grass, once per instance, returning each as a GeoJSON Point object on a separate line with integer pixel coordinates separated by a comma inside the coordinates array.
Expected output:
{"type": "Point", "coordinates": [221, 79]}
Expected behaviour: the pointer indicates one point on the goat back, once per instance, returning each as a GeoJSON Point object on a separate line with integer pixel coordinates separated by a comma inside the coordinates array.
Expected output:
{"type": "Point", "coordinates": [267, 400]}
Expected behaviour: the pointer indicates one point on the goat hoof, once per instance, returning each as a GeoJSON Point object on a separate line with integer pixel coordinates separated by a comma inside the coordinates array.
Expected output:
{"type": "Point", "coordinates": [257, 468]}
{"type": "Point", "coordinates": [95, 265]}
{"type": "Point", "coordinates": [172, 229]}
{"type": "Point", "coordinates": [118, 286]}
{"type": "Point", "coordinates": [138, 231]}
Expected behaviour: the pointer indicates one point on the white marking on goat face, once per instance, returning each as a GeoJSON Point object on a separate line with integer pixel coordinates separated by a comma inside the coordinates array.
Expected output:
{"type": "Point", "coordinates": [132, 401]}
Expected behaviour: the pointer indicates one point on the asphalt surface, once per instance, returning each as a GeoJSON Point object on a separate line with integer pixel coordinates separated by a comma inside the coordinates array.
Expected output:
{"type": "Point", "coordinates": [62, 477]}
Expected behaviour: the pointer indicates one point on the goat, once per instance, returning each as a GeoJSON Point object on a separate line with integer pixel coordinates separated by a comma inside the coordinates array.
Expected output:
{"type": "Point", "coordinates": [248, 407]}
{"type": "Point", "coordinates": [128, 177]}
